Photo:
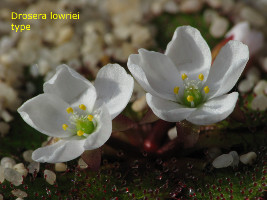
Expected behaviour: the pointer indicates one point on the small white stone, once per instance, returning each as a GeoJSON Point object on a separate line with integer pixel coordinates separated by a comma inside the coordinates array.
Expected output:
{"type": "Point", "coordinates": [50, 177]}
{"type": "Point", "coordinates": [249, 158]}
{"type": "Point", "coordinates": [1, 197]}
{"type": "Point", "coordinates": [228, 5]}
{"type": "Point", "coordinates": [252, 16]}
{"type": "Point", "coordinates": [34, 167]}
{"type": "Point", "coordinates": [7, 162]}
{"type": "Point", "coordinates": [172, 133]}
{"type": "Point", "coordinates": [259, 103]}
{"type": "Point", "coordinates": [34, 70]}
{"type": "Point", "coordinates": [218, 27]}
{"type": "Point", "coordinates": [27, 155]}
{"type": "Point", "coordinates": [210, 15]}
{"type": "Point", "coordinates": [13, 176]}
{"type": "Point", "coordinates": [60, 167]}
{"type": "Point", "coordinates": [260, 88]}
{"type": "Point", "coordinates": [19, 198]}
{"type": "Point", "coordinates": [140, 104]}
{"type": "Point", "coordinates": [171, 7]}
{"type": "Point", "coordinates": [253, 74]}
{"type": "Point", "coordinates": [82, 164]}
{"type": "Point", "coordinates": [214, 3]}
{"type": "Point", "coordinates": [65, 34]}
{"type": "Point", "coordinates": [191, 6]}
{"type": "Point", "coordinates": [2, 175]}
{"type": "Point", "coordinates": [19, 193]}
{"type": "Point", "coordinates": [4, 128]}
{"type": "Point", "coordinates": [224, 160]}
{"type": "Point", "coordinates": [21, 169]}
{"type": "Point", "coordinates": [235, 158]}
{"type": "Point", "coordinates": [6, 116]}
{"type": "Point", "coordinates": [245, 86]}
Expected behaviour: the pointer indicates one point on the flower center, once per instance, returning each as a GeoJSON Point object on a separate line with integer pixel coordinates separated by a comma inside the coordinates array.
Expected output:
{"type": "Point", "coordinates": [192, 96]}
{"type": "Point", "coordinates": [82, 124]}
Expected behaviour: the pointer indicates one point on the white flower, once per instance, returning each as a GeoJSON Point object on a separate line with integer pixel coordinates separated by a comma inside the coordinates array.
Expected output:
{"type": "Point", "coordinates": [77, 112]}
{"type": "Point", "coordinates": [181, 83]}
{"type": "Point", "coordinates": [251, 37]}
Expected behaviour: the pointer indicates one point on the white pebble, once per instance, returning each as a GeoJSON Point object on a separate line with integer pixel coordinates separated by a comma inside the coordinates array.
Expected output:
{"type": "Point", "coordinates": [60, 167]}
{"type": "Point", "coordinates": [253, 74]}
{"type": "Point", "coordinates": [249, 158]}
{"type": "Point", "coordinates": [210, 15]}
{"type": "Point", "coordinates": [50, 177]}
{"type": "Point", "coordinates": [21, 169]}
{"type": "Point", "coordinates": [214, 3]}
{"type": "Point", "coordinates": [19, 193]}
{"type": "Point", "coordinates": [6, 116]}
{"type": "Point", "coordinates": [252, 16]}
{"type": "Point", "coordinates": [228, 5]}
{"type": "Point", "coordinates": [260, 88]}
{"type": "Point", "coordinates": [224, 160]}
{"type": "Point", "coordinates": [1, 197]}
{"type": "Point", "coordinates": [13, 176]}
{"type": "Point", "coordinates": [191, 6]}
{"type": "Point", "coordinates": [27, 155]}
{"type": "Point", "coordinates": [140, 104]}
{"type": "Point", "coordinates": [235, 158]}
{"type": "Point", "coordinates": [82, 164]}
{"type": "Point", "coordinates": [34, 167]}
{"type": "Point", "coordinates": [218, 27]}
{"type": "Point", "coordinates": [172, 133]}
{"type": "Point", "coordinates": [263, 63]}
{"type": "Point", "coordinates": [259, 103]}
{"type": "Point", "coordinates": [7, 162]}
{"type": "Point", "coordinates": [245, 86]}
{"type": "Point", "coordinates": [171, 7]}
{"type": "Point", "coordinates": [2, 175]}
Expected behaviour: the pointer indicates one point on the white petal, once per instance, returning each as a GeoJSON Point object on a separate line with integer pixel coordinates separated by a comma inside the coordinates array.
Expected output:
{"type": "Point", "coordinates": [46, 113]}
{"type": "Point", "coordinates": [239, 32]}
{"type": "Point", "coordinates": [155, 72]}
{"type": "Point", "coordinates": [114, 87]}
{"type": "Point", "coordinates": [214, 110]}
{"type": "Point", "coordinates": [168, 110]}
{"type": "Point", "coordinates": [61, 151]}
{"type": "Point", "coordinates": [71, 86]}
{"type": "Point", "coordinates": [103, 130]}
{"type": "Point", "coordinates": [227, 68]}
{"type": "Point", "coordinates": [189, 52]}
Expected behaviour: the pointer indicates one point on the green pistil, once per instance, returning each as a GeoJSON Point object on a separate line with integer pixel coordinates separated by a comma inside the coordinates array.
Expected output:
{"type": "Point", "coordinates": [85, 125]}
{"type": "Point", "coordinates": [195, 93]}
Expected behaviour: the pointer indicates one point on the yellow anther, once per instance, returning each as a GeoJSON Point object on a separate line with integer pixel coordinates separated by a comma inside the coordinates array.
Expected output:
{"type": "Point", "coordinates": [82, 107]}
{"type": "Point", "coordinates": [90, 117]}
{"type": "Point", "coordinates": [176, 90]}
{"type": "Point", "coordinates": [206, 89]}
{"type": "Point", "coordinates": [69, 110]}
{"type": "Point", "coordinates": [190, 98]}
{"type": "Point", "coordinates": [201, 77]}
{"type": "Point", "coordinates": [184, 76]}
{"type": "Point", "coordinates": [65, 126]}
{"type": "Point", "coordinates": [80, 132]}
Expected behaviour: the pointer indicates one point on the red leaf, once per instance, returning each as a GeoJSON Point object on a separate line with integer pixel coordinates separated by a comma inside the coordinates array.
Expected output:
{"type": "Point", "coordinates": [122, 123]}
{"type": "Point", "coordinates": [149, 117]}
{"type": "Point", "coordinates": [92, 158]}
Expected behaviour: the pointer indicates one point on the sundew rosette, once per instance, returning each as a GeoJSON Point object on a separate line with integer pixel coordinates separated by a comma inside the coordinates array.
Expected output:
{"type": "Point", "coordinates": [76, 112]}
{"type": "Point", "coordinates": [184, 84]}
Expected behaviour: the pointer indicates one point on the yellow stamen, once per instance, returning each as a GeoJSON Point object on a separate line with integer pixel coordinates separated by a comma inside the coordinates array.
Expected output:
{"type": "Point", "coordinates": [90, 117]}
{"type": "Point", "coordinates": [65, 126]}
{"type": "Point", "coordinates": [201, 77]}
{"type": "Point", "coordinates": [206, 89]}
{"type": "Point", "coordinates": [176, 90]}
{"type": "Point", "coordinates": [184, 76]}
{"type": "Point", "coordinates": [80, 132]}
{"type": "Point", "coordinates": [69, 110]}
{"type": "Point", "coordinates": [190, 98]}
{"type": "Point", "coordinates": [82, 107]}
